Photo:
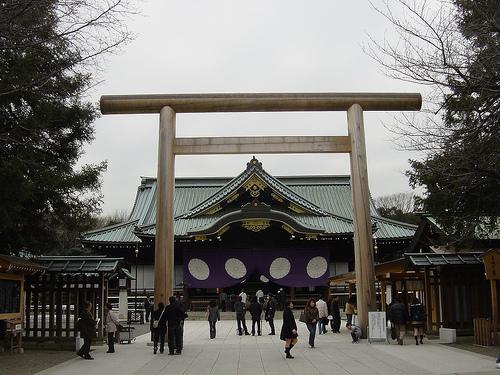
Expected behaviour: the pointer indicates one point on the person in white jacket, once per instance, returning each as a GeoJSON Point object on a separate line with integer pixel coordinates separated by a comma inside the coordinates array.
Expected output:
{"type": "Point", "coordinates": [111, 324]}
{"type": "Point", "coordinates": [323, 315]}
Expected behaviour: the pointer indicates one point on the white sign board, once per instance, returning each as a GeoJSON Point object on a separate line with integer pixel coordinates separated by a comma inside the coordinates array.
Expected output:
{"type": "Point", "coordinates": [377, 326]}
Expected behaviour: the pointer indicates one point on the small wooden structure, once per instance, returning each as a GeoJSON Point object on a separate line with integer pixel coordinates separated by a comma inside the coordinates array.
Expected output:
{"type": "Point", "coordinates": [491, 260]}
{"type": "Point", "coordinates": [54, 299]}
{"type": "Point", "coordinates": [12, 272]}
{"type": "Point", "coordinates": [451, 286]}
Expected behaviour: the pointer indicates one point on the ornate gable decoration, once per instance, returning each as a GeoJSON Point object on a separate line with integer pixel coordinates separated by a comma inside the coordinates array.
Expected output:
{"type": "Point", "coordinates": [254, 180]}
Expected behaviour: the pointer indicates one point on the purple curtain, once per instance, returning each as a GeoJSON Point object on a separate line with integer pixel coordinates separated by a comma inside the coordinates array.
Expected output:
{"type": "Point", "coordinates": [220, 268]}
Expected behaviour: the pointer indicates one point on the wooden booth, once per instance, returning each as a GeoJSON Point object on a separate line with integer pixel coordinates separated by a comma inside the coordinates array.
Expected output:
{"type": "Point", "coordinates": [55, 298]}
{"type": "Point", "coordinates": [488, 335]}
{"type": "Point", "coordinates": [12, 272]}
{"type": "Point", "coordinates": [451, 286]}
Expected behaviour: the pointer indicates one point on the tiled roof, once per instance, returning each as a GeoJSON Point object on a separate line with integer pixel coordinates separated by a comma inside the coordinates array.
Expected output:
{"type": "Point", "coordinates": [79, 264]}
{"type": "Point", "coordinates": [326, 199]}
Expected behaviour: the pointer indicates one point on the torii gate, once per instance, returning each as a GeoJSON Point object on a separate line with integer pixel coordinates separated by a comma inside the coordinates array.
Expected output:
{"type": "Point", "coordinates": [354, 144]}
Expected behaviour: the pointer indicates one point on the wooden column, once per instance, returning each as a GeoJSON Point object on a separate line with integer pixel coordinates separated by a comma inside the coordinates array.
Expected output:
{"type": "Point", "coordinates": [164, 243]}
{"type": "Point", "coordinates": [363, 247]}
{"type": "Point", "coordinates": [494, 309]}
{"type": "Point", "coordinates": [428, 298]}
{"type": "Point", "coordinates": [383, 299]}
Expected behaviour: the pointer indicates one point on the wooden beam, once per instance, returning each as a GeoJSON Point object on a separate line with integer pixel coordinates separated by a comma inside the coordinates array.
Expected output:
{"type": "Point", "coordinates": [363, 244]}
{"type": "Point", "coordinates": [164, 242]}
{"type": "Point", "coordinates": [494, 309]}
{"type": "Point", "coordinates": [262, 145]}
{"type": "Point", "coordinates": [428, 298]}
{"type": "Point", "coordinates": [263, 102]}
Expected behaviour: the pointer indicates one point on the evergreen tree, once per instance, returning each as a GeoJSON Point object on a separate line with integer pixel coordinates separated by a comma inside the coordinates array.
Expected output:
{"type": "Point", "coordinates": [44, 123]}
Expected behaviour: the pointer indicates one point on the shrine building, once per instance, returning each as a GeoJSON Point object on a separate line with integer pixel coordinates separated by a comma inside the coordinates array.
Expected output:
{"type": "Point", "coordinates": [253, 231]}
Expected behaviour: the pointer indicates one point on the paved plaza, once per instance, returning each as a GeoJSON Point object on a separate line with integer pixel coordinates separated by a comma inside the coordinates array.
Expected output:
{"type": "Point", "coordinates": [232, 354]}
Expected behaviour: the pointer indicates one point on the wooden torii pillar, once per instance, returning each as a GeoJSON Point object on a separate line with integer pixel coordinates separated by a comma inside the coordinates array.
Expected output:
{"type": "Point", "coordinates": [167, 105]}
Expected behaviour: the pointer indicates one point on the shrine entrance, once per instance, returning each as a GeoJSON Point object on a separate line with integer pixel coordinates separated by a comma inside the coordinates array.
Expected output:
{"type": "Point", "coordinates": [354, 144]}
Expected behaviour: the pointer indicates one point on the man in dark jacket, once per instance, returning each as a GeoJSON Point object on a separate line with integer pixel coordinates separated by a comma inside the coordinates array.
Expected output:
{"type": "Point", "coordinates": [161, 329]}
{"type": "Point", "coordinates": [256, 313]}
{"type": "Point", "coordinates": [398, 315]}
{"type": "Point", "coordinates": [86, 325]}
{"type": "Point", "coordinates": [147, 308]}
{"type": "Point", "coordinates": [174, 315]}
{"type": "Point", "coordinates": [240, 309]}
{"type": "Point", "coordinates": [270, 311]}
{"type": "Point", "coordinates": [334, 311]}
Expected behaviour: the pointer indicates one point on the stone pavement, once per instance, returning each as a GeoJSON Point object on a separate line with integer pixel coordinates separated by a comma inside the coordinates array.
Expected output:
{"type": "Point", "coordinates": [232, 354]}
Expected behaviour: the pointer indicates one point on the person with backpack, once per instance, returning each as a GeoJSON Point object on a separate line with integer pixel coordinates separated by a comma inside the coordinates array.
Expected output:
{"type": "Point", "coordinates": [398, 317]}
{"type": "Point", "coordinates": [159, 325]}
{"type": "Point", "coordinates": [417, 320]}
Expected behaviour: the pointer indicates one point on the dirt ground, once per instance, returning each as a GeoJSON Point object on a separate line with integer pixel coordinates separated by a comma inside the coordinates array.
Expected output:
{"type": "Point", "coordinates": [33, 361]}
{"type": "Point", "coordinates": [467, 343]}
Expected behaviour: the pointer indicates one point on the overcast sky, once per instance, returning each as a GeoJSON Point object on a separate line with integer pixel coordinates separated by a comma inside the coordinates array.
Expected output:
{"type": "Point", "coordinates": [245, 46]}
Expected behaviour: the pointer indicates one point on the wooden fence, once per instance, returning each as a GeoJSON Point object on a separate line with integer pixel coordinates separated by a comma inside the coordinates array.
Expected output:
{"type": "Point", "coordinates": [54, 303]}
{"type": "Point", "coordinates": [482, 332]}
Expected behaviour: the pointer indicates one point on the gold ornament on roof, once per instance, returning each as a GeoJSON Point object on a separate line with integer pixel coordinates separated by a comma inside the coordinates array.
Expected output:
{"type": "Point", "coordinates": [255, 185]}
{"type": "Point", "coordinates": [255, 225]}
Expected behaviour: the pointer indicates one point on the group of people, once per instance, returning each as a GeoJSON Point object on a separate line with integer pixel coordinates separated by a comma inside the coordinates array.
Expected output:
{"type": "Point", "coordinates": [400, 317]}
{"type": "Point", "coordinates": [256, 306]}
{"type": "Point", "coordinates": [316, 314]}
{"type": "Point", "coordinates": [171, 317]}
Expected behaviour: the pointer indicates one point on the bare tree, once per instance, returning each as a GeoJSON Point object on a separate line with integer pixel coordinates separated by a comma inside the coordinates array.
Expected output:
{"type": "Point", "coordinates": [451, 48]}
{"type": "Point", "coordinates": [117, 217]}
{"type": "Point", "coordinates": [401, 201]}
{"type": "Point", "coordinates": [92, 28]}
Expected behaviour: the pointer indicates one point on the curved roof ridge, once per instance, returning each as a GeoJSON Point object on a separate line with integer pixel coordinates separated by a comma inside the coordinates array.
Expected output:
{"type": "Point", "coordinates": [111, 227]}
{"type": "Point", "coordinates": [253, 167]}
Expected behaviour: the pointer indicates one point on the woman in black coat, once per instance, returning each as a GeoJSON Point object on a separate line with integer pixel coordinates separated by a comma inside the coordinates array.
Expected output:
{"type": "Point", "coordinates": [289, 329]}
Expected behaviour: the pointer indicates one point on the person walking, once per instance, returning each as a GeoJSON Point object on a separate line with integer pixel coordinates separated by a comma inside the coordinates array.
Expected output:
{"type": "Point", "coordinates": [182, 304]}
{"type": "Point", "coordinates": [334, 312]}
{"type": "Point", "coordinates": [417, 320]}
{"type": "Point", "coordinates": [147, 307]}
{"type": "Point", "coordinates": [159, 324]}
{"type": "Point", "coordinates": [232, 300]}
{"type": "Point", "coordinates": [398, 317]}
{"type": "Point", "coordinates": [173, 316]}
{"type": "Point", "coordinates": [223, 300]}
{"type": "Point", "coordinates": [350, 307]}
{"type": "Point", "coordinates": [289, 329]}
{"type": "Point", "coordinates": [240, 309]}
{"type": "Point", "coordinates": [256, 313]}
{"type": "Point", "coordinates": [281, 299]}
{"type": "Point", "coordinates": [111, 323]}
{"type": "Point", "coordinates": [260, 296]}
{"type": "Point", "coordinates": [243, 296]}
{"type": "Point", "coordinates": [311, 316]}
{"type": "Point", "coordinates": [322, 315]}
{"type": "Point", "coordinates": [213, 317]}
{"type": "Point", "coordinates": [270, 311]}
{"type": "Point", "coordinates": [86, 325]}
